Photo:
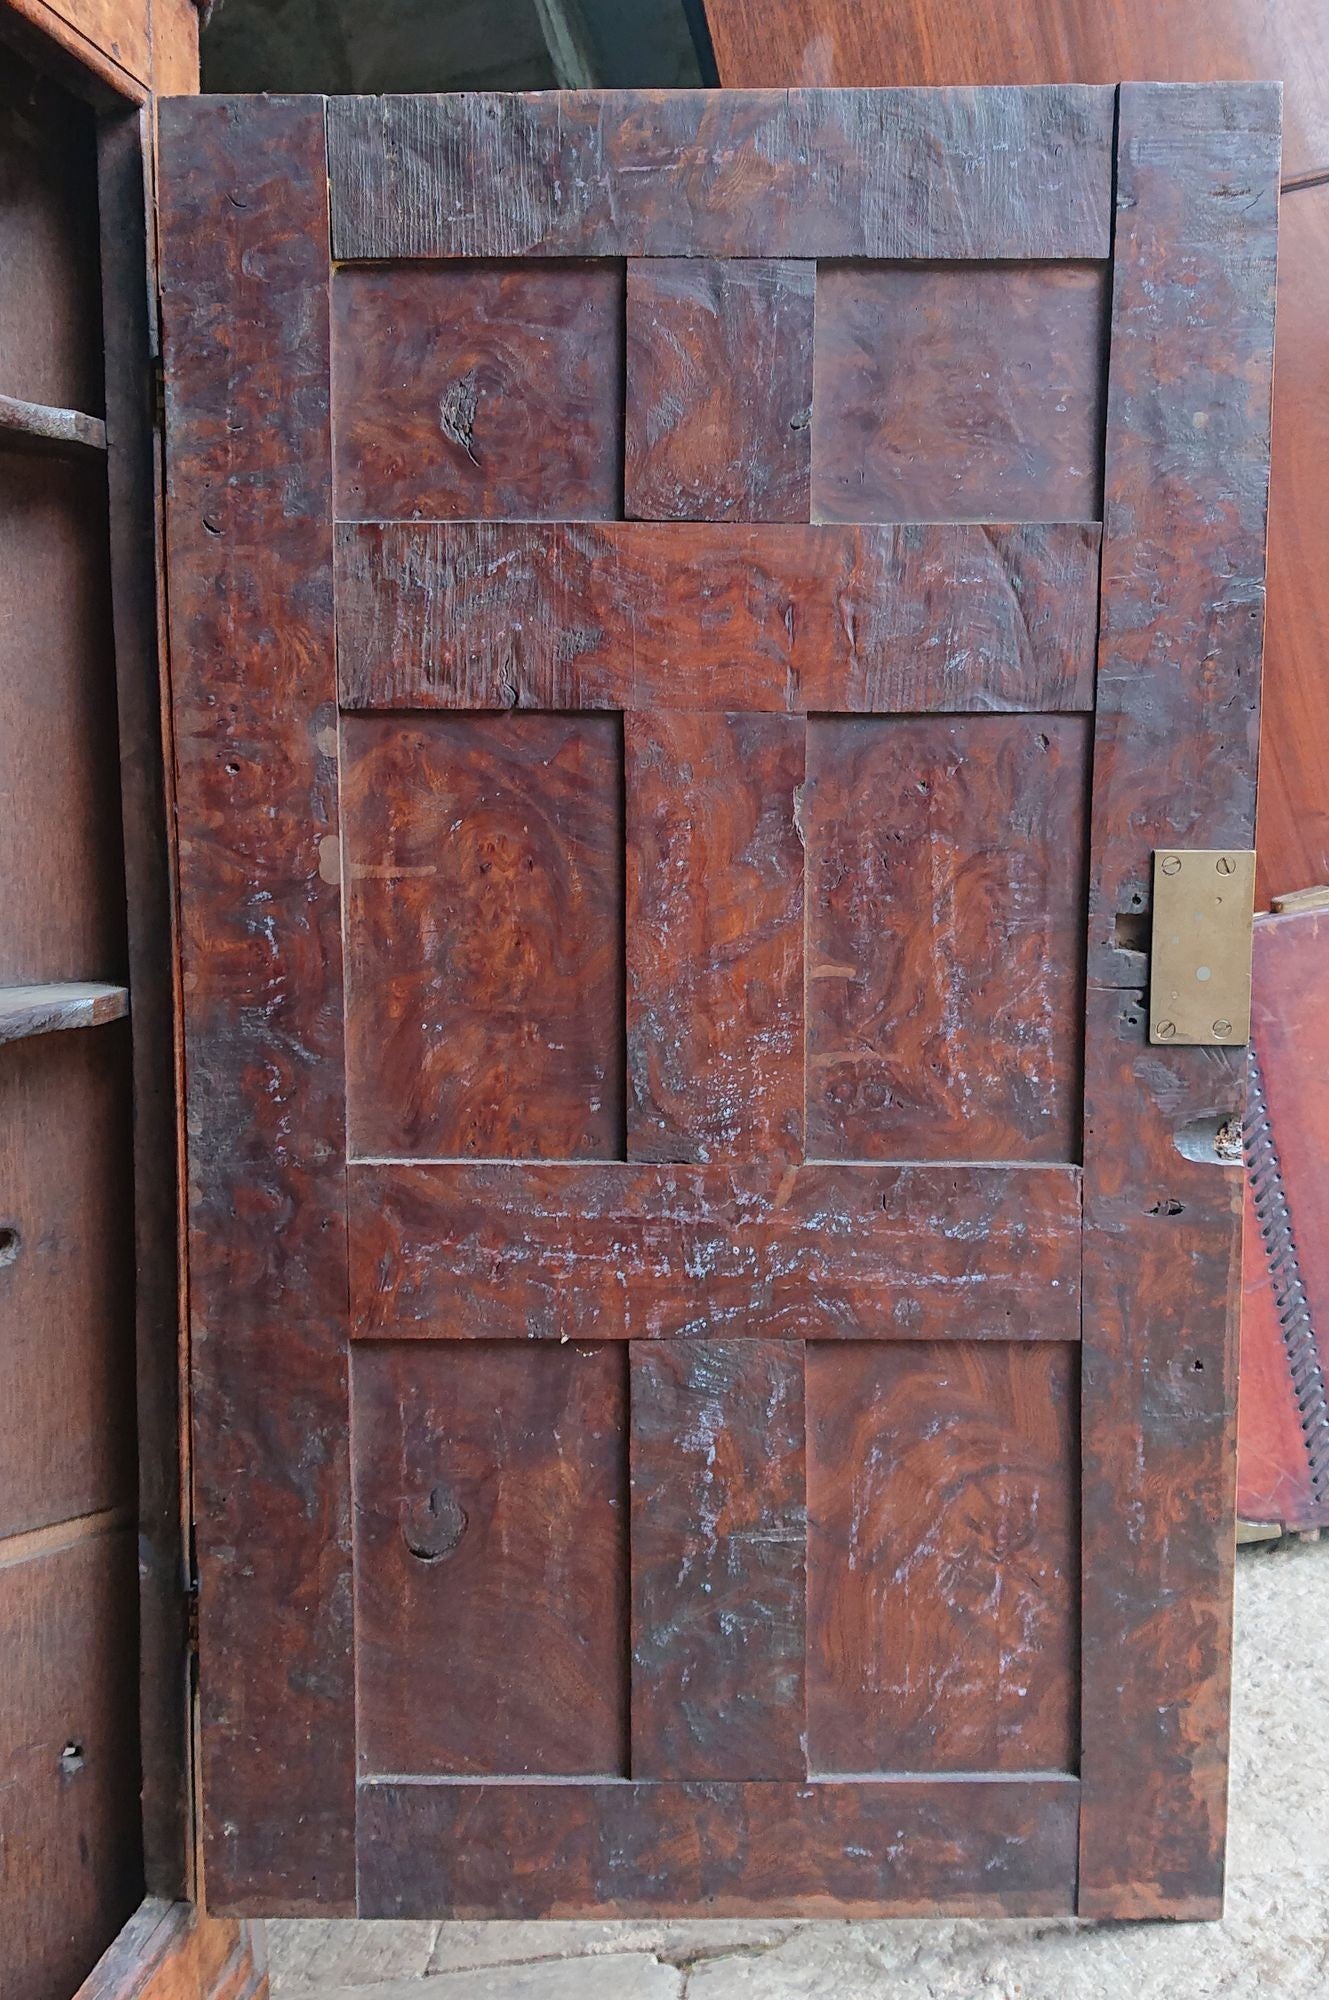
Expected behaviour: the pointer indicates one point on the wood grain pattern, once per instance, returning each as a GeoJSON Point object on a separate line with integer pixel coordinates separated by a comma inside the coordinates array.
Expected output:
{"type": "Point", "coordinates": [695, 173]}
{"type": "Point", "coordinates": [68, 1819]}
{"type": "Point", "coordinates": [714, 936]}
{"type": "Point", "coordinates": [719, 1537]}
{"type": "Point", "coordinates": [48, 1010]}
{"type": "Point", "coordinates": [1183, 576]}
{"type": "Point", "coordinates": [484, 932]}
{"type": "Point", "coordinates": [61, 880]}
{"type": "Point", "coordinates": [66, 1280]}
{"type": "Point", "coordinates": [491, 1559]}
{"type": "Point", "coordinates": [1178, 697]}
{"type": "Point", "coordinates": [479, 391]}
{"type": "Point", "coordinates": [175, 1951]}
{"type": "Point", "coordinates": [965, 1847]}
{"type": "Point", "coordinates": [942, 1558]}
{"type": "Point", "coordinates": [721, 617]}
{"type": "Point", "coordinates": [1283, 1417]}
{"type": "Point", "coordinates": [945, 937]}
{"type": "Point", "coordinates": [695, 450]}
{"type": "Point", "coordinates": [244, 260]}
{"type": "Point", "coordinates": [959, 392]}
{"type": "Point", "coordinates": [931, 42]}
{"type": "Point", "coordinates": [1292, 830]}
{"type": "Point", "coordinates": [455, 1252]}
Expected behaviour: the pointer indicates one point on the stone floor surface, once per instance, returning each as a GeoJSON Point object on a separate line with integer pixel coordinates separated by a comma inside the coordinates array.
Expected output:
{"type": "Point", "coordinates": [1274, 1940]}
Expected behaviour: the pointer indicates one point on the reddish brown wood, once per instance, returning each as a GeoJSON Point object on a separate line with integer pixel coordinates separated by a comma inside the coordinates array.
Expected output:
{"type": "Point", "coordinates": [945, 912]}
{"type": "Point", "coordinates": [1183, 573]}
{"type": "Point", "coordinates": [726, 617]}
{"type": "Point", "coordinates": [953, 392]}
{"type": "Point", "coordinates": [491, 1560]}
{"type": "Point", "coordinates": [174, 1951]}
{"type": "Point", "coordinates": [244, 262]}
{"type": "Point", "coordinates": [942, 1529]}
{"type": "Point", "coordinates": [484, 920]}
{"type": "Point", "coordinates": [851, 1253]}
{"type": "Point", "coordinates": [66, 1279]}
{"type": "Point", "coordinates": [479, 390]}
{"type": "Point", "coordinates": [1292, 834]}
{"type": "Point", "coordinates": [694, 450]}
{"type": "Point", "coordinates": [1283, 1432]}
{"type": "Point", "coordinates": [718, 1559]}
{"type": "Point", "coordinates": [931, 42]}
{"type": "Point", "coordinates": [72, 1864]}
{"type": "Point", "coordinates": [966, 1848]}
{"type": "Point", "coordinates": [696, 173]}
{"type": "Point", "coordinates": [714, 936]}
{"type": "Point", "coordinates": [488, 1295]}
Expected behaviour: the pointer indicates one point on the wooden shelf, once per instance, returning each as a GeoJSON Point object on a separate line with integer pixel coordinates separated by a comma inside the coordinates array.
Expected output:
{"type": "Point", "coordinates": [40, 427]}
{"type": "Point", "coordinates": [41, 1010]}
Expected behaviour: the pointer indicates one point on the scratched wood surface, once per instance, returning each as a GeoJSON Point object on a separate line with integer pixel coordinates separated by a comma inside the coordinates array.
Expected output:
{"type": "Point", "coordinates": [693, 450]}
{"type": "Point", "coordinates": [966, 1847]}
{"type": "Point", "coordinates": [1183, 572]}
{"type": "Point", "coordinates": [696, 173]}
{"type": "Point", "coordinates": [719, 1548]}
{"type": "Point", "coordinates": [484, 920]}
{"type": "Point", "coordinates": [243, 273]}
{"type": "Point", "coordinates": [942, 1523]}
{"type": "Point", "coordinates": [498, 615]}
{"type": "Point", "coordinates": [689, 1177]}
{"type": "Point", "coordinates": [460, 1252]}
{"type": "Point", "coordinates": [468, 391]}
{"type": "Point", "coordinates": [714, 982]}
{"type": "Point", "coordinates": [945, 912]}
{"type": "Point", "coordinates": [491, 1574]}
{"type": "Point", "coordinates": [941, 388]}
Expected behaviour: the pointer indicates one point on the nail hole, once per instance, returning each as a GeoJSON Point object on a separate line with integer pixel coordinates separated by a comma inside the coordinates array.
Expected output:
{"type": "Point", "coordinates": [71, 1757]}
{"type": "Point", "coordinates": [1168, 1207]}
{"type": "Point", "coordinates": [10, 1245]}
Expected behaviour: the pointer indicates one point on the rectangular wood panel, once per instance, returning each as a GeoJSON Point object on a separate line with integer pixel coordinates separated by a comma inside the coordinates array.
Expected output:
{"type": "Point", "coordinates": [714, 936]}
{"type": "Point", "coordinates": [959, 392]}
{"type": "Point", "coordinates": [455, 1252]}
{"type": "Point", "coordinates": [1183, 592]}
{"type": "Point", "coordinates": [491, 1559]}
{"type": "Point", "coordinates": [942, 1558]}
{"type": "Point", "coordinates": [249, 545]}
{"type": "Point", "coordinates": [788, 173]}
{"type": "Point", "coordinates": [717, 617]}
{"type": "Point", "coordinates": [73, 1869]}
{"type": "Point", "coordinates": [945, 936]}
{"type": "Point", "coordinates": [971, 1847]}
{"type": "Point", "coordinates": [484, 929]}
{"type": "Point", "coordinates": [695, 451]}
{"type": "Point", "coordinates": [718, 1559]}
{"type": "Point", "coordinates": [66, 1280]}
{"type": "Point", "coordinates": [479, 391]}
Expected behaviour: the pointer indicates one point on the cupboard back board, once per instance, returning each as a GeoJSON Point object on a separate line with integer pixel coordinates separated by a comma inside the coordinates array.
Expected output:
{"type": "Point", "coordinates": [712, 1324]}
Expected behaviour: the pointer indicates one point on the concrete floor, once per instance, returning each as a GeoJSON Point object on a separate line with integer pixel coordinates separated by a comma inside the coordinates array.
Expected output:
{"type": "Point", "coordinates": [1274, 1940]}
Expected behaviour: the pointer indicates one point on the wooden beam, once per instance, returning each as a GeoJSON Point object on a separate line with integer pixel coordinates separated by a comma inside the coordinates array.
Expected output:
{"type": "Point", "coordinates": [41, 1010]}
{"type": "Point", "coordinates": [39, 427]}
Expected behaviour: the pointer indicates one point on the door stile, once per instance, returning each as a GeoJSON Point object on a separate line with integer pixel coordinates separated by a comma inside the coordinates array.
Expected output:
{"type": "Point", "coordinates": [1181, 628]}
{"type": "Point", "coordinates": [245, 280]}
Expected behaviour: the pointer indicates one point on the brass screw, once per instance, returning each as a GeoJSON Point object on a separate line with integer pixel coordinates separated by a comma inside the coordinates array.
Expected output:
{"type": "Point", "coordinates": [1171, 863]}
{"type": "Point", "coordinates": [1226, 865]}
{"type": "Point", "coordinates": [1166, 1029]}
{"type": "Point", "coordinates": [1222, 1027]}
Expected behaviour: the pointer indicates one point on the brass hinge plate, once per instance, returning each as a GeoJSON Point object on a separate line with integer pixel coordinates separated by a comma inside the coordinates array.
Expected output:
{"type": "Point", "coordinates": [1200, 959]}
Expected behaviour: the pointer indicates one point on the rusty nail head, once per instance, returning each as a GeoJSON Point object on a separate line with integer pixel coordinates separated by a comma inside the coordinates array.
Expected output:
{"type": "Point", "coordinates": [1225, 864]}
{"type": "Point", "coordinates": [1166, 1029]}
{"type": "Point", "coordinates": [1171, 863]}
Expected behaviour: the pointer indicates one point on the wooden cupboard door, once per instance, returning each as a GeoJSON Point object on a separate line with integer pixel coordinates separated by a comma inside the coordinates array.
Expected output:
{"type": "Point", "coordinates": [691, 614]}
